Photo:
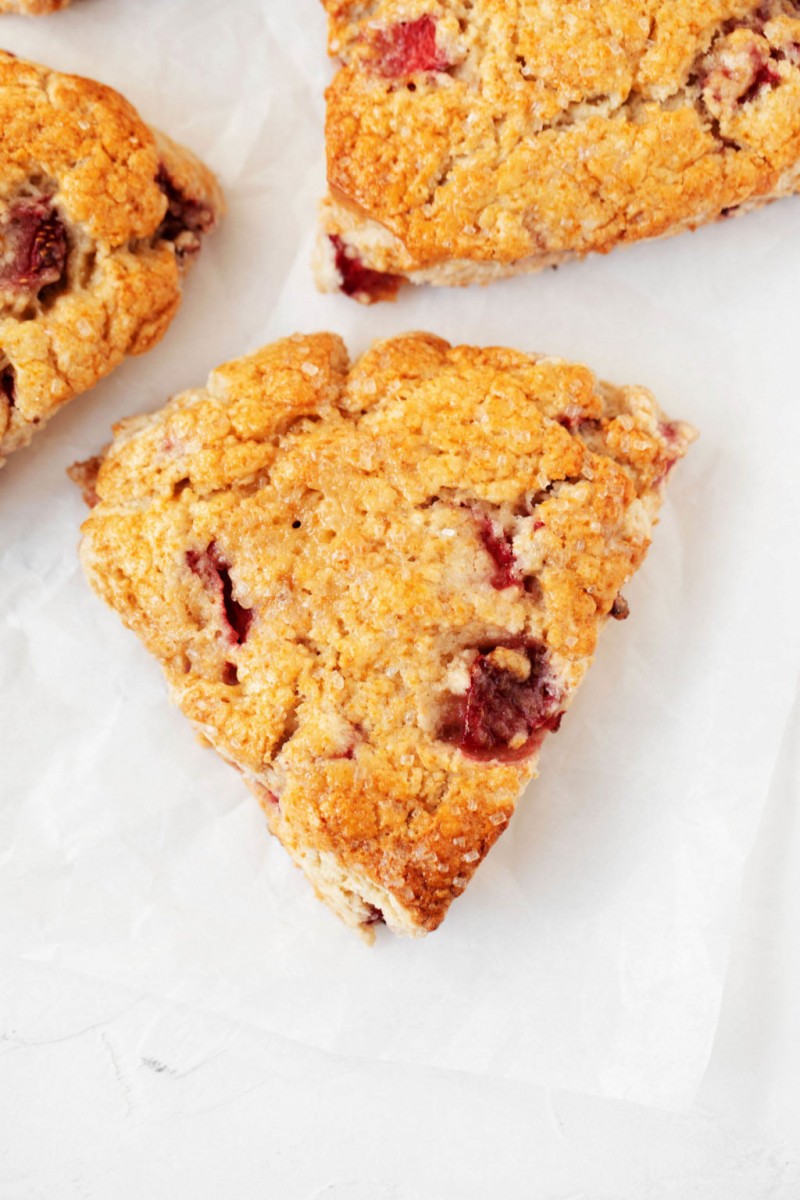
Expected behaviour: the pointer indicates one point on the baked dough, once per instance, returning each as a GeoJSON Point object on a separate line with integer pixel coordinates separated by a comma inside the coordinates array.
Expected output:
{"type": "Point", "coordinates": [99, 217]}
{"type": "Point", "coordinates": [374, 587]}
{"type": "Point", "coordinates": [473, 139]}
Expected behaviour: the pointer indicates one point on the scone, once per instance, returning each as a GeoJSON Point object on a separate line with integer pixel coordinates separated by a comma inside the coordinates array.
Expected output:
{"type": "Point", "coordinates": [99, 217]}
{"type": "Point", "coordinates": [473, 139]}
{"type": "Point", "coordinates": [33, 7]}
{"type": "Point", "coordinates": [374, 587]}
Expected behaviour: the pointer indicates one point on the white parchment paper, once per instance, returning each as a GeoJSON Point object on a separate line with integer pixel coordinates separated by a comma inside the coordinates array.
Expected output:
{"type": "Point", "coordinates": [590, 951]}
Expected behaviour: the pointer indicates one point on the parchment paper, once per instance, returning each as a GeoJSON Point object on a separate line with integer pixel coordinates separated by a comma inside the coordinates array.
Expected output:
{"type": "Point", "coordinates": [590, 951]}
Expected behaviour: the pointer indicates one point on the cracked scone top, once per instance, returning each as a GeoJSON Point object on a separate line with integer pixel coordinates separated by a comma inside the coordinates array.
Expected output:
{"type": "Point", "coordinates": [471, 139]}
{"type": "Point", "coordinates": [375, 587]}
{"type": "Point", "coordinates": [99, 216]}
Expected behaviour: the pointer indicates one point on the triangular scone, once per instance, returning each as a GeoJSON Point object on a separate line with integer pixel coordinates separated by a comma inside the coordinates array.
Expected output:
{"type": "Point", "coordinates": [471, 139]}
{"type": "Point", "coordinates": [99, 216]}
{"type": "Point", "coordinates": [375, 587]}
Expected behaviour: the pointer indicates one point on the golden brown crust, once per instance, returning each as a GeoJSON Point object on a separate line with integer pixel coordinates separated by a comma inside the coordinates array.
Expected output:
{"type": "Point", "coordinates": [79, 167]}
{"type": "Point", "coordinates": [330, 560]}
{"type": "Point", "coordinates": [545, 131]}
{"type": "Point", "coordinates": [32, 7]}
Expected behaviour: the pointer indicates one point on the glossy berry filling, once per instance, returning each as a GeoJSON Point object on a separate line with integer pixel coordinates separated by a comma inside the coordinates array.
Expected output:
{"type": "Point", "coordinates": [185, 220]}
{"type": "Point", "coordinates": [359, 281]}
{"type": "Point", "coordinates": [503, 716]}
{"type": "Point", "coordinates": [498, 545]}
{"type": "Point", "coordinates": [215, 574]}
{"type": "Point", "coordinates": [408, 47]}
{"type": "Point", "coordinates": [33, 247]}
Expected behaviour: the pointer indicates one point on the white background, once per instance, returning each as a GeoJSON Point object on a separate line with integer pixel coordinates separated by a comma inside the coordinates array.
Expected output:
{"type": "Point", "coordinates": [112, 1095]}
{"type": "Point", "coordinates": [108, 1088]}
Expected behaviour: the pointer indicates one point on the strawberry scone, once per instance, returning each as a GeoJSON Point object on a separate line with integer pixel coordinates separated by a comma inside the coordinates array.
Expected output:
{"type": "Point", "coordinates": [99, 218]}
{"type": "Point", "coordinates": [375, 586]}
{"type": "Point", "coordinates": [473, 139]}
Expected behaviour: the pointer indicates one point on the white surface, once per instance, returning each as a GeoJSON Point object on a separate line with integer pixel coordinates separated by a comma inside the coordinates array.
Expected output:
{"type": "Point", "coordinates": [112, 1095]}
{"type": "Point", "coordinates": [132, 868]}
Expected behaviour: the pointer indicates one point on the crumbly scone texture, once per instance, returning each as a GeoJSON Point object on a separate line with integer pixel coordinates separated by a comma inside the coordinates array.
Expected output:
{"type": "Point", "coordinates": [470, 139]}
{"type": "Point", "coordinates": [33, 7]}
{"type": "Point", "coordinates": [99, 217]}
{"type": "Point", "coordinates": [374, 587]}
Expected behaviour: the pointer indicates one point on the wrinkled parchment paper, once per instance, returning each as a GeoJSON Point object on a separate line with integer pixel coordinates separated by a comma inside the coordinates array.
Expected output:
{"type": "Point", "coordinates": [590, 951]}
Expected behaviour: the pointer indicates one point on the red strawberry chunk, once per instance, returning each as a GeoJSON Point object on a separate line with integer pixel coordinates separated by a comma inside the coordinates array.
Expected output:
{"type": "Point", "coordinates": [8, 384]}
{"type": "Point", "coordinates": [408, 47]}
{"type": "Point", "coordinates": [765, 76]}
{"type": "Point", "coordinates": [359, 281]}
{"type": "Point", "coordinates": [185, 221]}
{"type": "Point", "coordinates": [215, 575]}
{"type": "Point", "coordinates": [33, 247]}
{"type": "Point", "coordinates": [499, 547]}
{"type": "Point", "coordinates": [502, 715]}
